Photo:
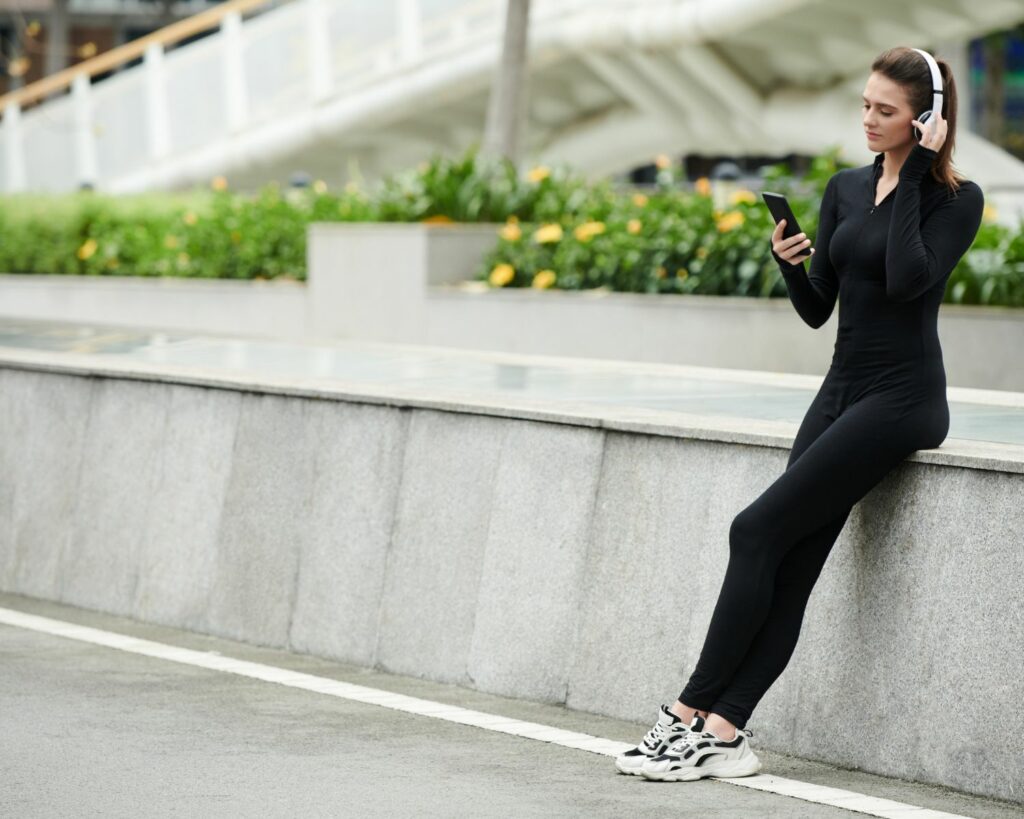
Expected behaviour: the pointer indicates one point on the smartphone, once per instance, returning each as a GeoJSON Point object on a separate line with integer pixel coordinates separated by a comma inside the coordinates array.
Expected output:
{"type": "Point", "coordinates": [780, 209]}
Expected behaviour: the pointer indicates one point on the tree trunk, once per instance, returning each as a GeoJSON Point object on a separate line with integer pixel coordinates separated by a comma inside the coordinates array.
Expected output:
{"type": "Point", "coordinates": [506, 113]}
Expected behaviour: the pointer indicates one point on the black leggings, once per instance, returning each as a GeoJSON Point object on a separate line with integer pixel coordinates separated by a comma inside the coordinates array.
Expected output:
{"type": "Point", "coordinates": [855, 431]}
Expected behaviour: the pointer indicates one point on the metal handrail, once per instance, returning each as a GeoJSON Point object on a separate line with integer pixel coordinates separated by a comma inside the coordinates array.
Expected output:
{"type": "Point", "coordinates": [166, 36]}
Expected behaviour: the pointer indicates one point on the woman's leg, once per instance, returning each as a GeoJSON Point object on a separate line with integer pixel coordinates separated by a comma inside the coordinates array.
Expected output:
{"type": "Point", "coordinates": [815, 493]}
{"type": "Point", "coordinates": [770, 652]}
{"type": "Point", "coordinates": [774, 643]}
{"type": "Point", "coordinates": [816, 420]}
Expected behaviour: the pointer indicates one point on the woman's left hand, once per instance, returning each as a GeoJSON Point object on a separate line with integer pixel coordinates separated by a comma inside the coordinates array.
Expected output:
{"type": "Point", "coordinates": [934, 131]}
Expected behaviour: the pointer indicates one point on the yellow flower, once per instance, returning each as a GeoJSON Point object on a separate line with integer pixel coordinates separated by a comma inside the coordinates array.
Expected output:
{"type": "Point", "coordinates": [183, 257]}
{"type": "Point", "coordinates": [219, 183]}
{"type": "Point", "coordinates": [511, 232]}
{"type": "Point", "coordinates": [639, 200]}
{"type": "Point", "coordinates": [990, 213]}
{"type": "Point", "coordinates": [320, 186]}
{"type": "Point", "coordinates": [703, 186]}
{"type": "Point", "coordinates": [548, 233]}
{"type": "Point", "coordinates": [113, 263]}
{"type": "Point", "coordinates": [544, 279]}
{"type": "Point", "coordinates": [236, 237]}
{"type": "Point", "coordinates": [702, 252]}
{"type": "Point", "coordinates": [437, 219]}
{"type": "Point", "coordinates": [742, 195]}
{"type": "Point", "coordinates": [538, 174]}
{"type": "Point", "coordinates": [662, 161]}
{"type": "Point", "coordinates": [661, 272]}
{"type": "Point", "coordinates": [87, 249]}
{"type": "Point", "coordinates": [502, 274]}
{"type": "Point", "coordinates": [170, 241]}
{"type": "Point", "coordinates": [588, 230]}
{"type": "Point", "coordinates": [634, 226]}
{"type": "Point", "coordinates": [682, 273]}
{"type": "Point", "coordinates": [730, 221]}
{"type": "Point", "coordinates": [190, 218]}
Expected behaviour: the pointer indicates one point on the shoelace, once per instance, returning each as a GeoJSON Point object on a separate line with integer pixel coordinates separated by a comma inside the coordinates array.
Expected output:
{"type": "Point", "coordinates": [654, 737]}
{"type": "Point", "coordinates": [686, 740]}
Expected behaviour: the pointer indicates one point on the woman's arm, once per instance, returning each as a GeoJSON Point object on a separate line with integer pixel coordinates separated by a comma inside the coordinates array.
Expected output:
{"type": "Point", "coordinates": [918, 256]}
{"type": "Point", "coordinates": [814, 294]}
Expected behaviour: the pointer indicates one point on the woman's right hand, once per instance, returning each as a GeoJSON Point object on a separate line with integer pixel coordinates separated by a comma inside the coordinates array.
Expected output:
{"type": "Point", "coordinates": [790, 250]}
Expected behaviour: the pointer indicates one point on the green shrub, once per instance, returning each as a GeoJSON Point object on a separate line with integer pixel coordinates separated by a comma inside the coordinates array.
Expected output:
{"type": "Point", "coordinates": [557, 230]}
{"type": "Point", "coordinates": [992, 271]}
{"type": "Point", "coordinates": [685, 245]}
{"type": "Point", "coordinates": [663, 241]}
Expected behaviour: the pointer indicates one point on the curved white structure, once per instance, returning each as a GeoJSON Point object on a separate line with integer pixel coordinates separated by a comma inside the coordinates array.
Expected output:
{"type": "Point", "coordinates": [354, 88]}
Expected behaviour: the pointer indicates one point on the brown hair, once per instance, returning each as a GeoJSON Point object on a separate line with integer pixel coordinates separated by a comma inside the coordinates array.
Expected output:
{"type": "Point", "coordinates": [910, 70]}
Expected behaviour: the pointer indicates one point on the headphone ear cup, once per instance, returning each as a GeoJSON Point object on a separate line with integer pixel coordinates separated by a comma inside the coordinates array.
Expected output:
{"type": "Point", "coordinates": [922, 118]}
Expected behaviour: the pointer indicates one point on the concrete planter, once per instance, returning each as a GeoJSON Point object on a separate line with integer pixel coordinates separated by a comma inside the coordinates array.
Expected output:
{"type": "Point", "coordinates": [407, 283]}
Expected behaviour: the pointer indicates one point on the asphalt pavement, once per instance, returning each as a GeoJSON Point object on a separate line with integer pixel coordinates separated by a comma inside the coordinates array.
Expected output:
{"type": "Point", "coordinates": [92, 730]}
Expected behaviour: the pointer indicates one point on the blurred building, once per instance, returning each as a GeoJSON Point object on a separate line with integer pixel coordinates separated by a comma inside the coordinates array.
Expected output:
{"type": "Point", "coordinates": [353, 89]}
{"type": "Point", "coordinates": [40, 37]}
{"type": "Point", "coordinates": [991, 86]}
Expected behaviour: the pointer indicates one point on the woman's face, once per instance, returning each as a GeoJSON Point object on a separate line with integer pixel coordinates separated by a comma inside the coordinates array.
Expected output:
{"type": "Point", "coordinates": [886, 114]}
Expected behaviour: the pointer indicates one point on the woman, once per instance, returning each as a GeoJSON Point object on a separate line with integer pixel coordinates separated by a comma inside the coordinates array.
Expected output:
{"type": "Point", "coordinates": [889, 233]}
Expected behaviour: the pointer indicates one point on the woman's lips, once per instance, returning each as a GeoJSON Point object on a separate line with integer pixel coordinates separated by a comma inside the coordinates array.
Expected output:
{"type": "Point", "coordinates": [872, 136]}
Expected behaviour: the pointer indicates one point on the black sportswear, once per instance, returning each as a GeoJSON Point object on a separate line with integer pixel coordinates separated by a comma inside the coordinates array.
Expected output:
{"type": "Point", "coordinates": [883, 397]}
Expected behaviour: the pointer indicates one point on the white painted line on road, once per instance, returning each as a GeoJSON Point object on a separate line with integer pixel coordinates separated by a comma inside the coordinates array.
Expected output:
{"type": "Point", "coordinates": [807, 791]}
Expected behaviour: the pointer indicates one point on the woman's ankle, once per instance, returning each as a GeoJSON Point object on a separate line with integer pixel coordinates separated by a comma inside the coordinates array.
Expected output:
{"type": "Point", "coordinates": [720, 727]}
{"type": "Point", "coordinates": [685, 712]}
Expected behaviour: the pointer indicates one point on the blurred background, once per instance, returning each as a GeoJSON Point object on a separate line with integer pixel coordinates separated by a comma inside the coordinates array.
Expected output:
{"type": "Point", "coordinates": [604, 96]}
{"type": "Point", "coordinates": [611, 147]}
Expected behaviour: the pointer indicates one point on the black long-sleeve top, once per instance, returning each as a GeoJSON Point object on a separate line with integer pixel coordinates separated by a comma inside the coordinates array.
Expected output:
{"type": "Point", "coordinates": [887, 264]}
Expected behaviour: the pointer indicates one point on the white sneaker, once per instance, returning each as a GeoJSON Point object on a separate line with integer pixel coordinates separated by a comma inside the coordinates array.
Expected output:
{"type": "Point", "coordinates": [666, 730]}
{"type": "Point", "coordinates": [699, 753]}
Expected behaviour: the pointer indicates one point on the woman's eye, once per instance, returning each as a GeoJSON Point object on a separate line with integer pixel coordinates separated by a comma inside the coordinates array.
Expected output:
{"type": "Point", "coordinates": [884, 114]}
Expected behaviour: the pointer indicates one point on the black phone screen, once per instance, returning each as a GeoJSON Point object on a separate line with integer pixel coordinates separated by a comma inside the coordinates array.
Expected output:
{"type": "Point", "coordinates": [780, 209]}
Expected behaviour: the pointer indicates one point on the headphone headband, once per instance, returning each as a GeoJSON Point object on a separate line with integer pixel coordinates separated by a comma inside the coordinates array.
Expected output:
{"type": "Point", "coordinates": [933, 67]}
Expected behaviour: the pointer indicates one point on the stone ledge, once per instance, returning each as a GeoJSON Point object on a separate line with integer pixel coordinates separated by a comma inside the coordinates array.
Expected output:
{"type": "Point", "coordinates": [960, 452]}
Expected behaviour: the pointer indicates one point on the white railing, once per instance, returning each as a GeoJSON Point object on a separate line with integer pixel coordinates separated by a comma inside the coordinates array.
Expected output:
{"type": "Point", "coordinates": [275, 84]}
{"type": "Point", "coordinates": [243, 75]}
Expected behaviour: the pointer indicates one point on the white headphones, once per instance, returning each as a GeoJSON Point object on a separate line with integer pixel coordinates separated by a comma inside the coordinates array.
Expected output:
{"type": "Point", "coordinates": [936, 92]}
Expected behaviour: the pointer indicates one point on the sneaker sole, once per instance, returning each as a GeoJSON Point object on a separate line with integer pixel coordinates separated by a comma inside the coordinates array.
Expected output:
{"type": "Point", "coordinates": [637, 771]}
{"type": "Point", "coordinates": [722, 770]}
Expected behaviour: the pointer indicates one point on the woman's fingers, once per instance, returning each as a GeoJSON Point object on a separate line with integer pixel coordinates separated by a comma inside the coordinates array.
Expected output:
{"type": "Point", "coordinates": [933, 132]}
{"type": "Point", "coordinates": [785, 248]}
{"type": "Point", "coordinates": [777, 241]}
{"type": "Point", "coordinates": [792, 249]}
{"type": "Point", "coordinates": [795, 242]}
